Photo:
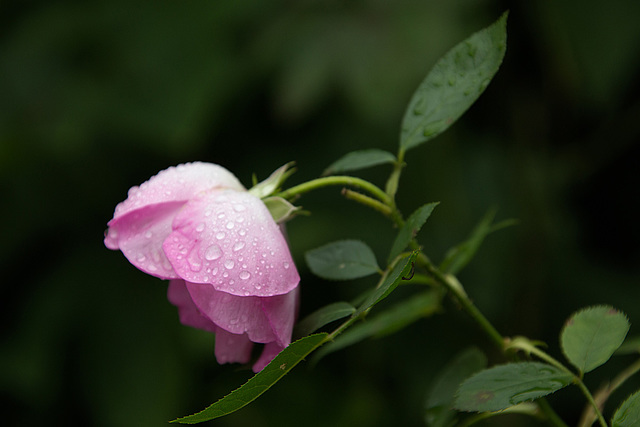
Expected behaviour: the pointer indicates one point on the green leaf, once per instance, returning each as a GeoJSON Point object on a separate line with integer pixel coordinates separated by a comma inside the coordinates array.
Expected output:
{"type": "Point", "coordinates": [454, 84]}
{"type": "Point", "coordinates": [360, 159]}
{"type": "Point", "coordinates": [442, 393]}
{"type": "Point", "coordinates": [342, 260]}
{"type": "Point", "coordinates": [592, 335]}
{"type": "Point", "coordinates": [259, 383]}
{"type": "Point", "coordinates": [402, 271]}
{"type": "Point", "coordinates": [281, 210]}
{"type": "Point", "coordinates": [386, 322]}
{"type": "Point", "coordinates": [507, 385]}
{"type": "Point", "coordinates": [628, 414]}
{"type": "Point", "coordinates": [272, 184]}
{"type": "Point", "coordinates": [410, 229]}
{"type": "Point", "coordinates": [459, 256]}
{"type": "Point", "coordinates": [323, 316]}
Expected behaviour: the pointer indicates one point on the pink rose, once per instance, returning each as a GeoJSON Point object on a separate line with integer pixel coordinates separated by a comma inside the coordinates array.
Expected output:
{"type": "Point", "coordinates": [229, 266]}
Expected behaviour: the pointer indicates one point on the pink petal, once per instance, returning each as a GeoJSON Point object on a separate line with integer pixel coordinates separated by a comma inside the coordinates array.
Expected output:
{"type": "Point", "coordinates": [229, 239]}
{"type": "Point", "coordinates": [232, 348]}
{"type": "Point", "coordinates": [140, 234]}
{"type": "Point", "coordinates": [237, 315]}
{"type": "Point", "coordinates": [270, 351]}
{"type": "Point", "coordinates": [178, 183]}
{"type": "Point", "coordinates": [282, 311]}
{"type": "Point", "coordinates": [189, 314]}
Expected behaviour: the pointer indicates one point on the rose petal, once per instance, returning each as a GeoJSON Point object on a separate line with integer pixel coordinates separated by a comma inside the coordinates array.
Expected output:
{"type": "Point", "coordinates": [140, 234]}
{"type": "Point", "coordinates": [189, 314]}
{"type": "Point", "coordinates": [282, 310]}
{"type": "Point", "coordinates": [232, 348]}
{"type": "Point", "coordinates": [178, 183]}
{"type": "Point", "coordinates": [236, 315]}
{"type": "Point", "coordinates": [228, 239]}
{"type": "Point", "coordinates": [270, 351]}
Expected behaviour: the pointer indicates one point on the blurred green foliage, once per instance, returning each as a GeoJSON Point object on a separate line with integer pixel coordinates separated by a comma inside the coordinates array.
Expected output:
{"type": "Point", "coordinates": [98, 96]}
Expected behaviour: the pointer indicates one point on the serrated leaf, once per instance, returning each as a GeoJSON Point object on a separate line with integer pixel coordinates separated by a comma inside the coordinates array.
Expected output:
{"type": "Point", "coordinates": [442, 393]}
{"type": "Point", "coordinates": [591, 336]}
{"type": "Point", "coordinates": [401, 271]}
{"type": "Point", "coordinates": [260, 382]}
{"type": "Point", "coordinates": [460, 255]}
{"type": "Point", "coordinates": [342, 260]}
{"type": "Point", "coordinates": [410, 228]}
{"type": "Point", "coordinates": [323, 316]}
{"type": "Point", "coordinates": [454, 84]}
{"type": "Point", "coordinates": [360, 159]}
{"type": "Point", "coordinates": [386, 322]}
{"type": "Point", "coordinates": [628, 414]}
{"type": "Point", "coordinates": [502, 386]}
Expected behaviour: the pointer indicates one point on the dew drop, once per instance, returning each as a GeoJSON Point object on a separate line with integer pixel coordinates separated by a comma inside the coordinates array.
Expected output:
{"type": "Point", "coordinates": [238, 246]}
{"type": "Point", "coordinates": [228, 264]}
{"type": "Point", "coordinates": [148, 234]}
{"type": "Point", "coordinates": [233, 321]}
{"type": "Point", "coordinates": [285, 264]}
{"type": "Point", "coordinates": [141, 258]}
{"type": "Point", "coordinates": [195, 263]}
{"type": "Point", "coordinates": [244, 275]}
{"type": "Point", "coordinates": [242, 232]}
{"type": "Point", "coordinates": [230, 225]}
{"type": "Point", "coordinates": [212, 253]}
{"type": "Point", "coordinates": [152, 267]}
{"type": "Point", "coordinates": [221, 235]}
{"type": "Point", "coordinates": [240, 219]}
{"type": "Point", "coordinates": [221, 215]}
{"type": "Point", "coordinates": [214, 271]}
{"type": "Point", "coordinates": [200, 227]}
{"type": "Point", "coordinates": [207, 212]}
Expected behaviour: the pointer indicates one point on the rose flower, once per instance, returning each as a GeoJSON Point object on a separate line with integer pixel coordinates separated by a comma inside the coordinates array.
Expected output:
{"type": "Point", "coordinates": [229, 267]}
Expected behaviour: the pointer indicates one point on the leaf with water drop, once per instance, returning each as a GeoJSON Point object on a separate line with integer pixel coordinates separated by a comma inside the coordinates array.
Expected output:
{"type": "Point", "coordinates": [628, 414]}
{"type": "Point", "coordinates": [360, 159]}
{"type": "Point", "coordinates": [342, 260]}
{"type": "Point", "coordinates": [502, 386]}
{"type": "Point", "coordinates": [454, 84]}
{"type": "Point", "coordinates": [401, 271]}
{"type": "Point", "coordinates": [410, 228]}
{"type": "Point", "coordinates": [592, 335]}
{"type": "Point", "coordinates": [259, 383]}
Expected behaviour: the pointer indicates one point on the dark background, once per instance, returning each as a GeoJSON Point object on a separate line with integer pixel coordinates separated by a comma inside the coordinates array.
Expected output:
{"type": "Point", "coordinates": [98, 96]}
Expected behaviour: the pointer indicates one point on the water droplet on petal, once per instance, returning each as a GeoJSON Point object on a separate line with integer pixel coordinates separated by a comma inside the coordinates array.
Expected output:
{"type": "Point", "coordinates": [239, 208]}
{"type": "Point", "coordinates": [148, 234]}
{"type": "Point", "coordinates": [141, 258]}
{"type": "Point", "coordinates": [242, 232]}
{"type": "Point", "coordinates": [212, 253]}
{"type": "Point", "coordinates": [244, 275]}
{"type": "Point", "coordinates": [195, 263]}
{"type": "Point", "coordinates": [238, 246]}
{"type": "Point", "coordinates": [230, 225]}
{"type": "Point", "coordinates": [221, 235]}
{"type": "Point", "coordinates": [228, 264]}
{"type": "Point", "coordinates": [200, 227]}
{"type": "Point", "coordinates": [285, 264]}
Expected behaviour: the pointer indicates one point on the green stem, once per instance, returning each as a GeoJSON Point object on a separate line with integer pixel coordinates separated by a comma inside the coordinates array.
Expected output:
{"type": "Point", "coordinates": [335, 180]}
{"type": "Point", "coordinates": [367, 201]}
{"type": "Point", "coordinates": [452, 284]}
